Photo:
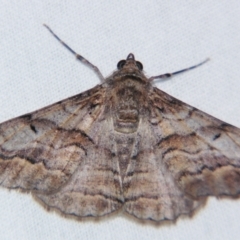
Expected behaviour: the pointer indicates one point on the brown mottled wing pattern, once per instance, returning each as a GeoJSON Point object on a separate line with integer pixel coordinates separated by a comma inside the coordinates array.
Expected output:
{"type": "Point", "coordinates": [122, 143]}
{"type": "Point", "coordinates": [53, 154]}
{"type": "Point", "coordinates": [195, 156]}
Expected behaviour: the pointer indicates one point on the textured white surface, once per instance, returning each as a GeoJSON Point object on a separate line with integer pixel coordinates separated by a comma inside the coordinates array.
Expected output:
{"type": "Point", "coordinates": [165, 36]}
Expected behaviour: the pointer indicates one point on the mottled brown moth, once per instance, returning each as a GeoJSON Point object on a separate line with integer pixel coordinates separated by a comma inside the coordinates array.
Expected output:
{"type": "Point", "coordinates": [123, 145]}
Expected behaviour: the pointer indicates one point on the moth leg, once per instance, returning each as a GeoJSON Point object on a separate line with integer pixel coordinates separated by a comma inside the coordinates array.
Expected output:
{"type": "Point", "coordinates": [78, 56]}
{"type": "Point", "coordinates": [168, 75]}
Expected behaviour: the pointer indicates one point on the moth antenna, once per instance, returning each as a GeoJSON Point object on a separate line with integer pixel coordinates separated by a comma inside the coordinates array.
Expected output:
{"type": "Point", "coordinates": [78, 56]}
{"type": "Point", "coordinates": [168, 75]}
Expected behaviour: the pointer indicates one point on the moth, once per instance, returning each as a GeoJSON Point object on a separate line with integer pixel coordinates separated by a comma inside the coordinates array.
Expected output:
{"type": "Point", "coordinates": [123, 145]}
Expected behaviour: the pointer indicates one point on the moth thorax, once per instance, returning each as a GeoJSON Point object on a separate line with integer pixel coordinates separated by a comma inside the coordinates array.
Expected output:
{"type": "Point", "coordinates": [126, 121]}
{"type": "Point", "coordinates": [127, 103]}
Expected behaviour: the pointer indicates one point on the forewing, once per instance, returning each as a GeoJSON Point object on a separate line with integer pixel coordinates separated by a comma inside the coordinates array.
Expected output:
{"type": "Point", "coordinates": [186, 156]}
{"type": "Point", "coordinates": [53, 153]}
{"type": "Point", "coordinates": [201, 152]}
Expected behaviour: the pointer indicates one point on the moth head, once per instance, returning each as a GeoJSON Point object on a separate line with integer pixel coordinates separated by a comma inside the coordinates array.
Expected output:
{"type": "Point", "coordinates": [130, 63]}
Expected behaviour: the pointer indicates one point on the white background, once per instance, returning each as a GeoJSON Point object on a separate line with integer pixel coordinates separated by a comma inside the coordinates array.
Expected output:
{"type": "Point", "coordinates": [35, 71]}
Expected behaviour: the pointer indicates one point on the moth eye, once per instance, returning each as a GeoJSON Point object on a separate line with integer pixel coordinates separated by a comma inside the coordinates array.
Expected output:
{"type": "Point", "coordinates": [139, 65]}
{"type": "Point", "coordinates": [121, 64]}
